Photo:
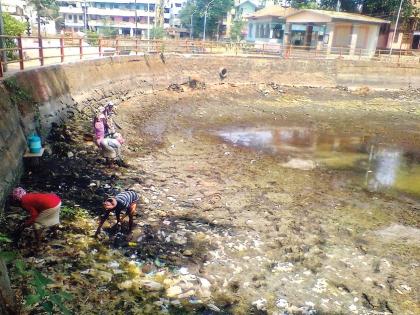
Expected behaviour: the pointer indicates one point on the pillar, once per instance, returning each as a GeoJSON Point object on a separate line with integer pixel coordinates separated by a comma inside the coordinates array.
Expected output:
{"type": "Point", "coordinates": [353, 39]}
{"type": "Point", "coordinates": [330, 34]}
{"type": "Point", "coordinates": [131, 32]}
{"type": "Point", "coordinates": [373, 36]}
{"type": "Point", "coordinates": [287, 35]}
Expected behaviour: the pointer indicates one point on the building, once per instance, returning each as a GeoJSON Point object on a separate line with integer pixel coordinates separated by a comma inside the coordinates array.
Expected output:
{"type": "Point", "coordinates": [405, 37]}
{"type": "Point", "coordinates": [268, 25]}
{"type": "Point", "coordinates": [316, 29]}
{"type": "Point", "coordinates": [123, 17]}
{"type": "Point", "coordinates": [245, 9]}
{"type": "Point", "coordinates": [334, 30]}
{"type": "Point", "coordinates": [26, 13]}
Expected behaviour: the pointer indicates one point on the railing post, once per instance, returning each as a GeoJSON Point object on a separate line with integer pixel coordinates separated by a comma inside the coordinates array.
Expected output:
{"type": "Point", "coordinates": [137, 48]}
{"type": "Point", "coordinates": [263, 50]}
{"type": "Point", "coordinates": [100, 46]}
{"type": "Point", "coordinates": [40, 50]}
{"type": "Point", "coordinates": [360, 54]}
{"type": "Point", "coordinates": [1, 68]}
{"type": "Point", "coordinates": [20, 49]}
{"type": "Point", "coordinates": [81, 47]}
{"type": "Point", "coordinates": [116, 46]}
{"type": "Point", "coordinates": [62, 48]}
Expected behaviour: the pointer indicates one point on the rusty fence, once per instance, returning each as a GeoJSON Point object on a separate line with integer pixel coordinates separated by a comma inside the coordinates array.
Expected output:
{"type": "Point", "coordinates": [25, 52]}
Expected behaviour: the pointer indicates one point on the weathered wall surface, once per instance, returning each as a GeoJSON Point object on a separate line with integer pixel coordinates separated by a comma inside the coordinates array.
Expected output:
{"type": "Point", "coordinates": [57, 91]}
{"type": "Point", "coordinates": [12, 143]}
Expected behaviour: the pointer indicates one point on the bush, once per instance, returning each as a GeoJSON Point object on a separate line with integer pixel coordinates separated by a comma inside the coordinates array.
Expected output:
{"type": "Point", "coordinates": [92, 38]}
{"type": "Point", "coordinates": [157, 32]}
{"type": "Point", "coordinates": [12, 27]}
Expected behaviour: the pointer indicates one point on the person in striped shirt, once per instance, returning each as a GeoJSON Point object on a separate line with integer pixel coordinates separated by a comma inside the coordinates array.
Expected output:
{"type": "Point", "coordinates": [124, 201]}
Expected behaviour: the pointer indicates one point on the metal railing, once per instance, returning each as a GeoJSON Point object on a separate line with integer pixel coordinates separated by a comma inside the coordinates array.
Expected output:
{"type": "Point", "coordinates": [25, 52]}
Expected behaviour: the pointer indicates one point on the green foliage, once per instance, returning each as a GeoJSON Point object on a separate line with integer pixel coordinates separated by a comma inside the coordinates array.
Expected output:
{"type": "Point", "coordinates": [236, 30]}
{"type": "Point", "coordinates": [388, 10]}
{"type": "Point", "coordinates": [17, 94]}
{"type": "Point", "coordinates": [216, 12]}
{"type": "Point", "coordinates": [72, 212]}
{"type": "Point", "coordinates": [157, 32]}
{"type": "Point", "coordinates": [12, 27]}
{"type": "Point", "coordinates": [41, 295]}
{"type": "Point", "coordinates": [45, 7]}
{"type": "Point", "coordinates": [345, 5]}
{"type": "Point", "coordinates": [4, 238]}
{"type": "Point", "coordinates": [107, 30]}
{"type": "Point", "coordinates": [304, 4]}
{"type": "Point", "coordinates": [92, 38]}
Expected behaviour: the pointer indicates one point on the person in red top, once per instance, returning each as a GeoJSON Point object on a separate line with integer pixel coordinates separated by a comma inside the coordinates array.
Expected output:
{"type": "Point", "coordinates": [44, 210]}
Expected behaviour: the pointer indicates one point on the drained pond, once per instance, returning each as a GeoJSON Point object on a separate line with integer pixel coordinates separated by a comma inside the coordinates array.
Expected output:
{"type": "Point", "coordinates": [256, 199]}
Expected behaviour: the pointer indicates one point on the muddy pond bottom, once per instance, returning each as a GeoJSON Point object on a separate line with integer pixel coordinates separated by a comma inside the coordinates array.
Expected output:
{"type": "Point", "coordinates": [376, 165]}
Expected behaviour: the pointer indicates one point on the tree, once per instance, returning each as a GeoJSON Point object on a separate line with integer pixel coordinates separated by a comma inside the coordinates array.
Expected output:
{"type": "Point", "coordinates": [304, 4]}
{"type": "Point", "coordinates": [157, 32]}
{"type": "Point", "coordinates": [236, 30]}
{"type": "Point", "coordinates": [388, 10]}
{"type": "Point", "coordinates": [12, 27]}
{"type": "Point", "coordinates": [345, 5]}
{"type": "Point", "coordinates": [216, 12]}
{"type": "Point", "coordinates": [45, 8]}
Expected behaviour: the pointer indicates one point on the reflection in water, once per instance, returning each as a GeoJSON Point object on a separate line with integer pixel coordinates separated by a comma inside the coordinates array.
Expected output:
{"type": "Point", "coordinates": [387, 162]}
{"type": "Point", "coordinates": [253, 139]}
{"type": "Point", "coordinates": [387, 167]}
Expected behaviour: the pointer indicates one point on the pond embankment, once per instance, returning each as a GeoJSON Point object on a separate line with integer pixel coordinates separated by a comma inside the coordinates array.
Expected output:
{"type": "Point", "coordinates": [254, 192]}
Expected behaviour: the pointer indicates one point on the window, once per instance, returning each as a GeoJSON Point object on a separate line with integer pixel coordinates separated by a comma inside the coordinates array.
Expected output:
{"type": "Point", "coordinates": [166, 10]}
{"type": "Point", "coordinates": [102, 5]}
{"type": "Point", "coordinates": [277, 31]}
{"type": "Point", "coordinates": [112, 19]}
{"type": "Point", "coordinates": [126, 19]}
{"type": "Point", "coordinates": [165, 20]}
{"type": "Point", "coordinates": [80, 17]}
{"type": "Point", "coordinates": [116, 6]}
{"type": "Point", "coordinates": [250, 29]}
{"type": "Point", "coordinates": [178, 5]}
{"type": "Point", "coordinates": [75, 19]}
{"type": "Point", "coordinates": [70, 17]}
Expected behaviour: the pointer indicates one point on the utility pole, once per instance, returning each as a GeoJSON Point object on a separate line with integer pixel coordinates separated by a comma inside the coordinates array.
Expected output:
{"type": "Point", "coordinates": [396, 27]}
{"type": "Point", "coordinates": [135, 16]}
{"type": "Point", "coordinates": [148, 19]}
{"type": "Point", "coordinates": [192, 26]}
{"type": "Point", "coordinates": [205, 19]}
{"type": "Point", "coordinates": [85, 26]}
{"type": "Point", "coordinates": [2, 41]}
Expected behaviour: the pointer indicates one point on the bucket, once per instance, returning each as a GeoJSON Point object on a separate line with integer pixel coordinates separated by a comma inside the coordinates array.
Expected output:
{"type": "Point", "coordinates": [34, 143]}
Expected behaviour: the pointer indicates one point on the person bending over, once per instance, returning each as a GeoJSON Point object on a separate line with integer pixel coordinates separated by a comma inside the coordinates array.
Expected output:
{"type": "Point", "coordinates": [124, 201]}
{"type": "Point", "coordinates": [43, 208]}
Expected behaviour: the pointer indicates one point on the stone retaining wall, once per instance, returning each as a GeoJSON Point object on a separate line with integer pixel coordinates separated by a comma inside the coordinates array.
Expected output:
{"type": "Point", "coordinates": [55, 92]}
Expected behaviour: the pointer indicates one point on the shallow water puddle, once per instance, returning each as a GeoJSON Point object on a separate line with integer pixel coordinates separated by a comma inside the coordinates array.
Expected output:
{"type": "Point", "coordinates": [379, 166]}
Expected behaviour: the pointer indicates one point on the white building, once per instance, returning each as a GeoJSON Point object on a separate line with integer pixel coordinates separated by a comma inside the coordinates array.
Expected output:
{"type": "Point", "coordinates": [127, 17]}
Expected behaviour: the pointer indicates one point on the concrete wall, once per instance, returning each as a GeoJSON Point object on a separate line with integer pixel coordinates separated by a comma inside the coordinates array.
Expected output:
{"type": "Point", "coordinates": [57, 91]}
{"type": "Point", "coordinates": [12, 144]}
